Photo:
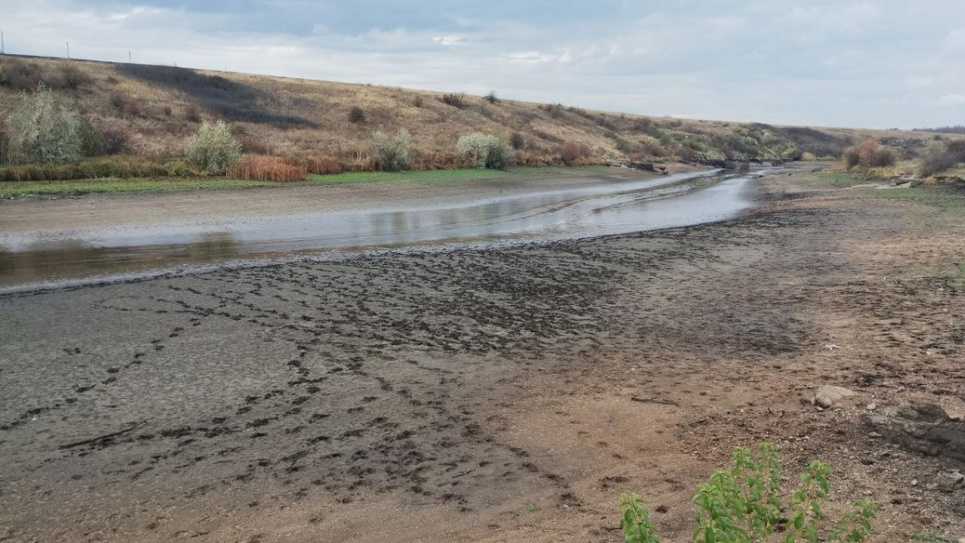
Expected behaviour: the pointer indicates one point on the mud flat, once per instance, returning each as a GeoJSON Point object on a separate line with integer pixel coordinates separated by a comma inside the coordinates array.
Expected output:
{"type": "Point", "coordinates": [485, 394]}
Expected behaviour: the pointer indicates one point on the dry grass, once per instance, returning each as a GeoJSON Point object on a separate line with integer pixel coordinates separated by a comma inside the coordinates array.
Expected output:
{"type": "Point", "coordinates": [266, 168]}
{"type": "Point", "coordinates": [160, 106]}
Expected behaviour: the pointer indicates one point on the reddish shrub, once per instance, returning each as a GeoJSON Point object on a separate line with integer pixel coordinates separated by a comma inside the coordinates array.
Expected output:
{"type": "Point", "coordinates": [570, 153]}
{"type": "Point", "coordinates": [266, 168]}
{"type": "Point", "coordinates": [322, 164]}
{"type": "Point", "coordinates": [869, 154]}
{"type": "Point", "coordinates": [439, 160]}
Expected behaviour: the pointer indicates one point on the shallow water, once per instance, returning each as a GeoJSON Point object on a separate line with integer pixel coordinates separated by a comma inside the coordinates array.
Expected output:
{"type": "Point", "coordinates": [678, 200]}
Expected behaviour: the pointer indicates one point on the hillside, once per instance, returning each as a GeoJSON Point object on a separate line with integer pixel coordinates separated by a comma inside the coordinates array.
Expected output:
{"type": "Point", "coordinates": [148, 111]}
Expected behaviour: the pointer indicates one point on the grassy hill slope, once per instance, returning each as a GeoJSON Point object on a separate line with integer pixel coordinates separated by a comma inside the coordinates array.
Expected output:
{"type": "Point", "coordinates": [150, 110]}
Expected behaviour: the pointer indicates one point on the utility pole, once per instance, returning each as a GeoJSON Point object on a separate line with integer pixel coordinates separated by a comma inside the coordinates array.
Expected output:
{"type": "Point", "coordinates": [68, 50]}
{"type": "Point", "coordinates": [3, 49]}
{"type": "Point", "coordinates": [129, 58]}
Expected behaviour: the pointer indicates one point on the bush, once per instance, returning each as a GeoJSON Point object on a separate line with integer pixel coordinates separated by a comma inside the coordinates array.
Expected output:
{"type": "Point", "coordinates": [571, 153]}
{"type": "Point", "coordinates": [213, 148]}
{"type": "Point", "coordinates": [114, 138]}
{"type": "Point", "coordinates": [73, 78]}
{"type": "Point", "coordinates": [455, 100]}
{"type": "Point", "coordinates": [43, 129]}
{"type": "Point", "coordinates": [266, 168]}
{"type": "Point", "coordinates": [356, 115]}
{"type": "Point", "coordinates": [491, 97]}
{"type": "Point", "coordinates": [322, 165]}
{"type": "Point", "coordinates": [22, 75]}
{"type": "Point", "coordinates": [392, 154]}
{"type": "Point", "coordinates": [746, 504]}
{"type": "Point", "coordinates": [192, 113]}
{"type": "Point", "coordinates": [91, 141]}
{"type": "Point", "coordinates": [937, 159]}
{"type": "Point", "coordinates": [439, 160]}
{"type": "Point", "coordinates": [485, 151]}
{"type": "Point", "coordinates": [96, 169]}
{"type": "Point", "coordinates": [517, 141]}
{"type": "Point", "coordinates": [869, 154]}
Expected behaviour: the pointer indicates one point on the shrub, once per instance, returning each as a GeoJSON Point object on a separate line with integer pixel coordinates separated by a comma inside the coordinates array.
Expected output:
{"type": "Point", "coordinates": [491, 97]}
{"type": "Point", "coordinates": [392, 154]}
{"type": "Point", "coordinates": [91, 141]}
{"type": "Point", "coordinates": [571, 153]}
{"type": "Point", "coordinates": [417, 101]}
{"type": "Point", "coordinates": [73, 78]}
{"type": "Point", "coordinates": [455, 100]}
{"type": "Point", "coordinates": [485, 151]}
{"type": "Point", "coordinates": [356, 115]}
{"type": "Point", "coordinates": [213, 148]}
{"type": "Point", "coordinates": [4, 146]}
{"type": "Point", "coordinates": [439, 160]}
{"type": "Point", "coordinates": [22, 75]}
{"type": "Point", "coordinates": [322, 165]}
{"type": "Point", "coordinates": [266, 168]}
{"type": "Point", "coordinates": [43, 129]}
{"type": "Point", "coordinates": [192, 113]}
{"type": "Point", "coordinates": [746, 504]}
{"type": "Point", "coordinates": [517, 141]}
{"type": "Point", "coordinates": [869, 154]}
{"type": "Point", "coordinates": [96, 169]}
{"type": "Point", "coordinates": [937, 159]}
{"type": "Point", "coordinates": [114, 138]}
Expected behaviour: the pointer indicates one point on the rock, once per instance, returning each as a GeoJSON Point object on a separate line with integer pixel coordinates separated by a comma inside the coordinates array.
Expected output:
{"type": "Point", "coordinates": [949, 481]}
{"type": "Point", "coordinates": [872, 406]}
{"type": "Point", "coordinates": [829, 395]}
{"type": "Point", "coordinates": [922, 412]}
{"type": "Point", "coordinates": [923, 428]}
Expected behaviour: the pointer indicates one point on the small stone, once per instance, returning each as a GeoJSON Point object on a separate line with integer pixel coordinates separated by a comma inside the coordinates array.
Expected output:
{"type": "Point", "coordinates": [874, 435]}
{"type": "Point", "coordinates": [914, 482]}
{"type": "Point", "coordinates": [872, 406]}
{"type": "Point", "coordinates": [829, 395]}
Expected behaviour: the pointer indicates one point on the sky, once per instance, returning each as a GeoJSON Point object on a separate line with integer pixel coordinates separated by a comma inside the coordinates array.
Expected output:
{"type": "Point", "coordinates": [851, 63]}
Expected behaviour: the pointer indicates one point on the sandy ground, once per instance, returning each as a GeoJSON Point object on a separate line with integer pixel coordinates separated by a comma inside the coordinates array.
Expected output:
{"type": "Point", "coordinates": [489, 395]}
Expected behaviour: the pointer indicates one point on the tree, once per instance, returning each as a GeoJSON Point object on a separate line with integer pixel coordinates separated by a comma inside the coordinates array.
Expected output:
{"type": "Point", "coordinates": [43, 129]}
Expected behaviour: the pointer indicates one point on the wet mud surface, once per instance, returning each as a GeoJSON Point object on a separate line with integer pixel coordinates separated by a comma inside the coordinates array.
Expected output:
{"type": "Point", "coordinates": [517, 390]}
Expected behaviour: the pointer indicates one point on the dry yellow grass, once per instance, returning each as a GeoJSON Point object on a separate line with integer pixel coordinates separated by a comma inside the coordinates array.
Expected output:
{"type": "Point", "coordinates": [297, 117]}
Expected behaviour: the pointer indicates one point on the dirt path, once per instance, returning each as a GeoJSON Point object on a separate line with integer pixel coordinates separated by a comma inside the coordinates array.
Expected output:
{"type": "Point", "coordinates": [492, 395]}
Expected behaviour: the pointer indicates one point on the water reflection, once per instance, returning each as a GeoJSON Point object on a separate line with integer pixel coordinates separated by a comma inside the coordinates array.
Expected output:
{"type": "Point", "coordinates": [672, 201]}
{"type": "Point", "coordinates": [47, 260]}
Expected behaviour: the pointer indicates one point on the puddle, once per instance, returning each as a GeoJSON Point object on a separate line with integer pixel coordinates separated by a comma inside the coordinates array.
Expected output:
{"type": "Point", "coordinates": [679, 200]}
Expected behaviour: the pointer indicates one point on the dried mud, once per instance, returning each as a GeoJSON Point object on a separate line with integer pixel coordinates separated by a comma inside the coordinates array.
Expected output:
{"type": "Point", "coordinates": [482, 394]}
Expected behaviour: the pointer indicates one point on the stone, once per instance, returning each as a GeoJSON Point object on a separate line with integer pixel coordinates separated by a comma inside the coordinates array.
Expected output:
{"type": "Point", "coordinates": [830, 395]}
{"type": "Point", "coordinates": [949, 481]}
{"type": "Point", "coordinates": [872, 406]}
{"type": "Point", "coordinates": [922, 428]}
{"type": "Point", "coordinates": [922, 412]}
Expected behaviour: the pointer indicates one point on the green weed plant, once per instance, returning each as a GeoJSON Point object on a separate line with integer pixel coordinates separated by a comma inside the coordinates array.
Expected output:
{"type": "Point", "coordinates": [747, 504]}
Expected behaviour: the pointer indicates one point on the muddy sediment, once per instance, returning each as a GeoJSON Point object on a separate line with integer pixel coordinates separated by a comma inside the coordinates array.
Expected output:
{"type": "Point", "coordinates": [487, 394]}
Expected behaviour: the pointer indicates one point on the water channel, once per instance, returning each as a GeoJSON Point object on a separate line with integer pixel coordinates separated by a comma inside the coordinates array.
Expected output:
{"type": "Point", "coordinates": [32, 258]}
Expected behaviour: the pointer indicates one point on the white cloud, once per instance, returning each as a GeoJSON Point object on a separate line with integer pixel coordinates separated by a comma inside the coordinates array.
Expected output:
{"type": "Point", "coordinates": [952, 100]}
{"type": "Point", "coordinates": [831, 62]}
{"type": "Point", "coordinates": [450, 40]}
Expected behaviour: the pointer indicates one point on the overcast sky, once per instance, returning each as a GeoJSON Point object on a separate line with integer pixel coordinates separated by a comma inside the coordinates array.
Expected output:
{"type": "Point", "coordinates": [862, 63]}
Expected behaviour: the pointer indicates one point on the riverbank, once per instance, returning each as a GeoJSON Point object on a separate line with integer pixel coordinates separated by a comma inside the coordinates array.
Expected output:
{"type": "Point", "coordinates": [487, 394]}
